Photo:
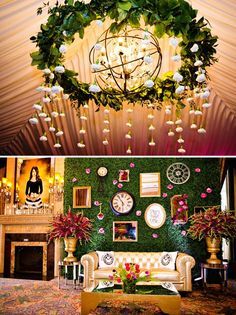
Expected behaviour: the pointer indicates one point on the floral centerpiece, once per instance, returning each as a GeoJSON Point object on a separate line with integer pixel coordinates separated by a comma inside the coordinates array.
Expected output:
{"type": "Point", "coordinates": [213, 225]}
{"type": "Point", "coordinates": [129, 275]}
{"type": "Point", "coordinates": [72, 227]}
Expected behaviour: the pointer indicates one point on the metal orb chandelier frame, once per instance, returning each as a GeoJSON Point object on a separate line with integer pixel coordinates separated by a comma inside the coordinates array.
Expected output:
{"type": "Point", "coordinates": [124, 61]}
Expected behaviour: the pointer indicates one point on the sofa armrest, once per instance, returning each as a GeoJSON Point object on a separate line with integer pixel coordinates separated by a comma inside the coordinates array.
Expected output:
{"type": "Point", "coordinates": [89, 262]}
{"type": "Point", "coordinates": [184, 264]}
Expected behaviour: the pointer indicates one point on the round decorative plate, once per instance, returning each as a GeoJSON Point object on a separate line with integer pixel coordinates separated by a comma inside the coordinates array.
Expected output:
{"type": "Point", "coordinates": [178, 173]}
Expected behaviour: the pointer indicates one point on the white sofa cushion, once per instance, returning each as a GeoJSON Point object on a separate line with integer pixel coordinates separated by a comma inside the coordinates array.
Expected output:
{"type": "Point", "coordinates": [105, 259]}
{"type": "Point", "coordinates": [167, 260]}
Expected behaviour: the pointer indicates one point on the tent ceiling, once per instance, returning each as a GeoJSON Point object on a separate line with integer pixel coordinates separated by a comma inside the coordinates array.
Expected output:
{"type": "Point", "coordinates": [18, 80]}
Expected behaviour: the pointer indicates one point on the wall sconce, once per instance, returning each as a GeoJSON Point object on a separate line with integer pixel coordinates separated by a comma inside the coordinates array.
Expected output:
{"type": "Point", "coordinates": [56, 186]}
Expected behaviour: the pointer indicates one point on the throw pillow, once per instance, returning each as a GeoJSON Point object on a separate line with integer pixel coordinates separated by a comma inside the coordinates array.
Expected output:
{"type": "Point", "coordinates": [105, 259]}
{"type": "Point", "coordinates": [167, 260]}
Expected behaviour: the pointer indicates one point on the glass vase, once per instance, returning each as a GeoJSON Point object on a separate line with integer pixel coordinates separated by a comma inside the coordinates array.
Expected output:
{"type": "Point", "coordinates": [129, 287]}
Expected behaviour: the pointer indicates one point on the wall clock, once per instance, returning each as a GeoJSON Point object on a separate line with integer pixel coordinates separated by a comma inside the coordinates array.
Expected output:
{"type": "Point", "coordinates": [178, 173]}
{"type": "Point", "coordinates": [122, 202]}
{"type": "Point", "coordinates": [102, 172]}
{"type": "Point", "coordinates": [155, 216]}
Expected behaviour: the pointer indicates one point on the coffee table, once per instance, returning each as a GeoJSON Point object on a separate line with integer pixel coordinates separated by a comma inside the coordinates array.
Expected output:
{"type": "Point", "coordinates": [167, 300]}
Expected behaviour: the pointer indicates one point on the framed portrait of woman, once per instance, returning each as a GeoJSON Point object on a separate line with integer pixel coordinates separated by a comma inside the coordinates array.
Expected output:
{"type": "Point", "coordinates": [23, 173]}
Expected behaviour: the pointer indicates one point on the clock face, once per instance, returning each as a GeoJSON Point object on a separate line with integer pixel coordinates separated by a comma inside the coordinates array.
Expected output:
{"type": "Point", "coordinates": [102, 171]}
{"type": "Point", "coordinates": [178, 173]}
{"type": "Point", "coordinates": [122, 203]}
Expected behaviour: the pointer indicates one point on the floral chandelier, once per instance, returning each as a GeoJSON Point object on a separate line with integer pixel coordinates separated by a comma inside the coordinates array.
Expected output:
{"type": "Point", "coordinates": [126, 62]}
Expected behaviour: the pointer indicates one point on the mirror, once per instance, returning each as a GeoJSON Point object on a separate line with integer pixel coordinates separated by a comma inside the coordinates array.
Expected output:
{"type": "Point", "coordinates": [82, 197]}
{"type": "Point", "coordinates": [150, 185]}
{"type": "Point", "coordinates": [155, 216]}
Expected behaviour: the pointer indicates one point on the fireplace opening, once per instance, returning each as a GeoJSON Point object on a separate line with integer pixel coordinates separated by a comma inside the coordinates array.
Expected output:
{"type": "Point", "coordinates": [29, 261]}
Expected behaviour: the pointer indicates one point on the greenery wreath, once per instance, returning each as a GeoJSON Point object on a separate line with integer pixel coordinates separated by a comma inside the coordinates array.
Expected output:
{"type": "Point", "coordinates": [175, 18]}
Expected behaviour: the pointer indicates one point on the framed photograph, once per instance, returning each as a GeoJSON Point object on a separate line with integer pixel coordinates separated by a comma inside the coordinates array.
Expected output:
{"type": "Point", "coordinates": [125, 231]}
{"type": "Point", "coordinates": [150, 185]}
{"type": "Point", "coordinates": [123, 175]}
{"type": "Point", "coordinates": [23, 170]}
{"type": "Point", "coordinates": [82, 197]}
{"type": "Point", "coordinates": [155, 216]}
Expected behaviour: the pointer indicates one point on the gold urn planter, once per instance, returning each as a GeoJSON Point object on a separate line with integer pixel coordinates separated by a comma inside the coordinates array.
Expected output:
{"type": "Point", "coordinates": [213, 247]}
{"type": "Point", "coordinates": [70, 248]}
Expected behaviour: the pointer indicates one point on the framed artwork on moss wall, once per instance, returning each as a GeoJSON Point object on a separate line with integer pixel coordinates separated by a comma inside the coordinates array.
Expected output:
{"type": "Point", "coordinates": [125, 231]}
{"type": "Point", "coordinates": [150, 185]}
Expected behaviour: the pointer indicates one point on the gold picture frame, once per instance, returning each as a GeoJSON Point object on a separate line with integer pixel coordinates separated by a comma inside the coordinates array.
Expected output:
{"type": "Point", "coordinates": [125, 231]}
{"type": "Point", "coordinates": [155, 215]}
{"type": "Point", "coordinates": [150, 185]}
{"type": "Point", "coordinates": [82, 197]}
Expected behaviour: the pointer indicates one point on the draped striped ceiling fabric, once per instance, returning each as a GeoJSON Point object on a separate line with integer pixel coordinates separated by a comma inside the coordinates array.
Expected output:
{"type": "Point", "coordinates": [18, 81]}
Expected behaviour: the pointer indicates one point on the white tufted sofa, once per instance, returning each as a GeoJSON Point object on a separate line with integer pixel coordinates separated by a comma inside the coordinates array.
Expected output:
{"type": "Point", "coordinates": [181, 277]}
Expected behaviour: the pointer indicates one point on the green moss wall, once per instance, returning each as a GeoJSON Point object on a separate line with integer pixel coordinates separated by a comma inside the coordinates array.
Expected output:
{"type": "Point", "coordinates": [170, 237]}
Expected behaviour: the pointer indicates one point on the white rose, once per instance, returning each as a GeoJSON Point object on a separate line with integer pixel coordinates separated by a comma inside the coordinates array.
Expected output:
{"type": "Point", "coordinates": [63, 49]}
{"type": "Point", "coordinates": [59, 69]}
{"type": "Point", "coordinates": [105, 130]}
{"type": "Point", "coordinates": [151, 127]}
{"type": "Point", "coordinates": [54, 114]}
{"type": "Point", "coordinates": [148, 60]}
{"type": "Point", "coordinates": [128, 124]}
{"type": "Point", "coordinates": [106, 122]}
{"type": "Point", "coordinates": [57, 145]}
{"type": "Point", "coordinates": [128, 136]}
{"type": "Point", "coordinates": [82, 131]}
{"type": "Point", "coordinates": [201, 130]}
{"type": "Point", "coordinates": [150, 116]}
{"type": "Point", "coordinates": [81, 145]}
{"type": "Point", "coordinates": [86, 106]}
{"type": "Point", "coordinates": [47, 119]}
{"type": "Point", "coordinates": [152, 143]}
{"type": "Point", "coordinates": [171, 133]}
{"type": "Point", "coordinates": [193, 126]}
{"type": "Point", "coordinates": [105, 142]}
{"type": "Point", "coordinates": [37, 106]}
{"type": "Point", "coordinates": [43, 138]}
{"type": "Point", "coordinates": [180, 89]}
{"type": "Point", "coordinates": [94, 88]}
{"type": "Point", "coordinates": [206, 105]}
{"type": "Point", "coordinates": [173, 41]}
{"type": "Point", "coordinates": [46, 100]}
{"type": "Point", "coordinates": [194, 48]}
{"type": "Point", "coordinates": [198, 112]}
{"type": "Point", "coordinates": [129, 110]}
{"type": "Point", "coordinates": [180, 140]}
{"type": "Point", "coordinates": [205, 94]}
{"type": "Point", "coordinates": [99, 23]}
{"type": "Point", "coordinates": [176, 58]}
{"type": "Point", "coordinates": [52, 129]}
{"type": "Point", "coordinates": [201, 78]}
{"type": "Point", "coordinates": [149, 83]}
{"type": "Point", "coordinates": [46, 71]}
{"type": "Point", "coordinates": [170, 122]}
{"type": "Point", "coordinates": [179, 129]}
{"type": "Point", "coordinates": [177, 77]}
{"type": "Point", "coordinates": [191, 112]}
{"type": "Point", "coordinates": [181, 150]}
{"type": "Point", "coordinates": [62, 114]}
{"type": "Point", "coordinates": [82, 117]}
{"type": "Point", "coordinates": [168, 111]}
{"type": "Point", "coordinates": [56, 89]}
{"type": "Point", "coordinates": [128, 151]}
{"type": "Point", "coordinates": [51, 76]}
{"type": "Point", "coordinates": [198, 63]}
{"type": "Point", "coordinates": [95, 66]}
{"type": "Point", "coordinates": [106, 111]}
{"type": "Point", "coordinates": [33, 121]}
{"type": "Point", "coordinates": [42, 114]}
{"type": "Point", "coordinates": [178, 121]}
{"type": "Point", "coordinates": [59, 133]}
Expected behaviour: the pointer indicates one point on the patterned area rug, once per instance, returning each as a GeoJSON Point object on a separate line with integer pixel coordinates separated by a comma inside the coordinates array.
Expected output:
{"type": "Point", "coordinates": [24, 297]}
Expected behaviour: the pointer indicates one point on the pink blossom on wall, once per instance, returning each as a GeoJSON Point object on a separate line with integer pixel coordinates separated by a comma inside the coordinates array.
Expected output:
{"type": "Point", "coordinates": [96, 203]}
{"type": "Point", "coordinates": [115, 181]}
{"type": "Point", "coordinates": [132, 165]}
{"type": "Point", "coordinates": [183, 233]}
{"type": "Point", "coordinates": [203, 195]}
{"type": "Point", "coordinates": [101, 231]}
{"type": "Point", "coordinates": [138, 213]}
{"type": "Point", "coordinates": [155, 235]}
{"type": "Point", "coordinates": [170, 186]}
{"type": "Point", "coordinates": [197, 170]}
{"type": "Point", "coordinates": [164, 195]}
{"type": "Point", "coordinates": [120, 185]}
{"type": "Point", "coordinates": [87, 170]}
{"type": "Point", "coordinates": [209, 190]}
{"type": "Point", "coordinates": [74, 180]}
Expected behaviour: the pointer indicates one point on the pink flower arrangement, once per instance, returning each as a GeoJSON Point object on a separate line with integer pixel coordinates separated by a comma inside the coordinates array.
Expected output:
{"type": "Point", "coordinates": [129, 272]}
{"type": "Point", "coordinates": [212, 223]}
{"type": "Point", "coordinates": [180, 206]}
